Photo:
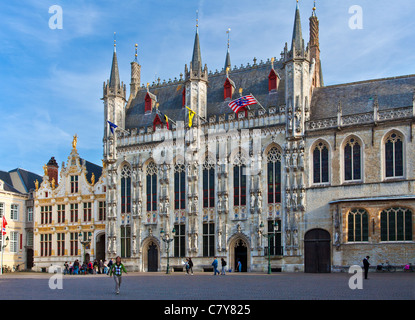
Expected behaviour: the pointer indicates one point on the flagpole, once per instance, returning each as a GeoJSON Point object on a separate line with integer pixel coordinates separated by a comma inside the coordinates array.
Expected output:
{"type": "Point", "coordinates": [2, 245]}
{"type": "Point", "coordinates": [258, 102]}
{"type": "Point", "coordinates": [197, 114]}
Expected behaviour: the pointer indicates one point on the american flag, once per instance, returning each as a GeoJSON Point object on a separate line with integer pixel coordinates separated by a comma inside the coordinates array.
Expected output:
{"type": "Point", "coordinates": [241, 102]}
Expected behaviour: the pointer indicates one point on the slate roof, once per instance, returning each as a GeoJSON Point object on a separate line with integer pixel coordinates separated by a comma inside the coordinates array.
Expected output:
{"type": "Point", "coordinates": [27, 178]}
{"type": "Point", "coordinates": [253, 79]}
{"type": "Point", "coordinates": [92, 168]}
{"type": "Point", "coordinates": [358, 97]}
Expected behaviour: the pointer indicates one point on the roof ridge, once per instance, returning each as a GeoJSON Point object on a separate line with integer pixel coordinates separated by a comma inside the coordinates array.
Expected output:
{"type": "Point", "coordinates": [370, 81]}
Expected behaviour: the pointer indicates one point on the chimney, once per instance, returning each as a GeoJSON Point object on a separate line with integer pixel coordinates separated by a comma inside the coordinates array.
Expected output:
{"type": "Point", "coordinates": [53, 169]}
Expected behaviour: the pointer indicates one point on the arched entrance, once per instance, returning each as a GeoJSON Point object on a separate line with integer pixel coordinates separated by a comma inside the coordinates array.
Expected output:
{"type": "Point", "coordinates": [317, 251]}
{"type": "Point", "coordinates": [150, 255]}
{"type": "Point", "coordinates": [241, 255]}
{"type": "Point", "coordinates": [100, 247]}
{"type": "Point", "coordinates": [239, 251]}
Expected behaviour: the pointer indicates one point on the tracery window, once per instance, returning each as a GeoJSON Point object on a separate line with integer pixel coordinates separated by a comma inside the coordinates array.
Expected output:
{"type": "Point", "coordinates": [239, 180]}
{"type": "Point", "coordinates": [394, 155]}
{"type": "Point", "coordinates": [352, 160]}
{"type": "Point", "coordinates": [358, 225]}
{"type": "Point", "coordinates": [321, 163]}
{"type": "Point", "coordinates": [208, 184]}
{"type": "Point", "coordinates": [396, 224]}
{"type": "Point", "coordinates": [151, 187]}
{"type": "Point", "coordinates": [274, 175]}
{"type": "Point", "coordinates": [126, 189]}
{"type": "Point", "coordinates": [179, 186]}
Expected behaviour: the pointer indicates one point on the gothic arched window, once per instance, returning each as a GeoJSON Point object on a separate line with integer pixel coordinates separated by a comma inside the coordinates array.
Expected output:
{"type": "Point", "coordinates": [151, 181]}
{"type": "Point", "coordinates": [352, 160]}
{"type": "Point", "coordinates": [126, 189]}
{"type": "Point", "coordinates": [239, 181]}
{"type": "Point", "coordinates": [394, 155]}
{"type": "Point", "coordinates": [396, 224]}
{"type": "Point", "coordinates": [208, 184]}
{"type": "Point", "coordinates": [179, 186]}
{"type": "Point", "coordinates": [274, 175]}
{"type": "Point", "coordinates": [358, 225]}
{"type": "Point", "coordinates": [321, 163]}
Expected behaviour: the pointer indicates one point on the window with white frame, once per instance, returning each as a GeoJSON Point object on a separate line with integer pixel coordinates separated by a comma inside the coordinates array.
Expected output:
{"type": "Point", "coordinates": [14, 212]}
{"type": "Point", "coordinates": [14, 241]}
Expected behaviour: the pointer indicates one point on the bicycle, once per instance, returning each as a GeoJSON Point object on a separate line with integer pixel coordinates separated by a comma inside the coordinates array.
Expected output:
{"type": "Point", "coordinates": [385, 267]}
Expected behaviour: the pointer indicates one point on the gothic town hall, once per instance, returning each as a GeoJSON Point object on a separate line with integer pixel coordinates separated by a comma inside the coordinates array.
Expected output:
{"type": "Point", "coordinates": [310, 178]}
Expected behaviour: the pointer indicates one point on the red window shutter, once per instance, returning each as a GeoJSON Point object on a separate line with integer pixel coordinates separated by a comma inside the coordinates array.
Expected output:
{"type": "Point", "coordinates": [21, 241]}
{"type": "Point", "coordinates": [272, 80]}
{"type": "Point", "coordinates": [184, 97]}
{"type": "Point", "coordinates": [147, 100]}
{"type": "Point", "coordinates": [227, 89]}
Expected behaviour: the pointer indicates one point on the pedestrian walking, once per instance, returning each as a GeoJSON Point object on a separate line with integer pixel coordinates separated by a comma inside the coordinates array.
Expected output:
{"type": "Point", "coordinates": [190, 262]}
{"type": "Point", "coordinates": [366, 265]}
{"type": "Point", "coordinates": [117, 269]}
{"type": "Point", "coordinates": [215, 266]}
{"type": "Point", "coordinates": [66, 268]}
{"type": "Point", "coordinates": [186, 264]}
{"type": "Point", "coordinates": [239, 266]}
{"type": "Point", "coordinates": [223, 263]}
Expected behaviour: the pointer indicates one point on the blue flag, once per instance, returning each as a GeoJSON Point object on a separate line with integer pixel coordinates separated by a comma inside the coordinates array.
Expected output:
{"type": "Point", "coordinates": [112, 126]}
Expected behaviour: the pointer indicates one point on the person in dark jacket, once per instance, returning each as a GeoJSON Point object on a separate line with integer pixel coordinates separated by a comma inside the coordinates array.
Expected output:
{"type": "Point", "coordinates": [366, 265]}
{"type": "Point", "coordinates": [223, 263]}
{"type": "Point", "coordinates": [190, 262]}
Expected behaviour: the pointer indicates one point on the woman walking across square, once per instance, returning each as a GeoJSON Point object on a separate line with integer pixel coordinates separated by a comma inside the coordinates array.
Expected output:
{"type": "Point", "coordinates": [117, 269]}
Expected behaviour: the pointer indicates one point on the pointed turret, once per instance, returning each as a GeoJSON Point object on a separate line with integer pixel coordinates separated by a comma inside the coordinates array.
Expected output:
{"type": "Point", "coordinates": [196, 63]}
{"type": "Point", "coordinates": [228, 55]}
{"type": "Point", "coordinates": [115, 74]}
{"type": "Point", "coordinates": [297, 41]}
{"type": "Point", "coordinates": [315, 48]}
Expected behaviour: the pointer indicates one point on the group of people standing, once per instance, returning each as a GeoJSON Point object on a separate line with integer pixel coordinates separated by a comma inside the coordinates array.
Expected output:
{"type": "Point", "coordinates": [95, 267]}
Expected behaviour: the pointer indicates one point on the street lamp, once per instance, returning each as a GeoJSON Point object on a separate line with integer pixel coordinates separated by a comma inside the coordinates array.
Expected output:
{"type": "Point", "coordinates": [85, 241]}
{"type": "Point", "coordinates": [269, 236]}
{"type": "Point", "coordinates": [167, 238]}
{"type": "Point", "coordinates": [3, 245]}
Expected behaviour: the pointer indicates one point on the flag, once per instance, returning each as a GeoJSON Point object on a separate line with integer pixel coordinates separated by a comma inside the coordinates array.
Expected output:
{"type": "Point", "coordinates": [167, 121]}
{"type": "Point", "coordinates": [112, 126]}
{"type": "Point", "coordinates": [241, 102]}
{"type": "Point", "coordinates": [191, 115]}
{"type": "Point", "coordinates": [4, 224]}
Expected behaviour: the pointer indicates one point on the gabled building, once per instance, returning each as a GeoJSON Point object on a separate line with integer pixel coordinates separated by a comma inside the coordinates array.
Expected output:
{"type": "Point", "coordinates": [70, 213]}
{"type": "Point", "coordinates": [16, 204]}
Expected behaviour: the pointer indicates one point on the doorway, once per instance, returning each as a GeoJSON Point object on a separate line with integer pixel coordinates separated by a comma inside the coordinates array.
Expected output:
{"type": "Point", "coordinates": [317, 251]}
{"type": "Point", "coordinates": [100, 247]}
{"type": "Point", "coordinates": [152, 257]}
{"type": "Point", "coordinates": [241, 254]}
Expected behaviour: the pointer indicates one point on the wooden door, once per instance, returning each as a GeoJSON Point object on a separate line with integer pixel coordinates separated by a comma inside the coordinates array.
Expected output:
{"type": "Point", "coordinates": [152, 257]}
{"type": "Point", "coordinates": [317, 251]}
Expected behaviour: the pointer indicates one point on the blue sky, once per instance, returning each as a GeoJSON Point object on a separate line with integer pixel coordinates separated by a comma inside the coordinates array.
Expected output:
{"type": "Point", "coordinates": [51, 80]}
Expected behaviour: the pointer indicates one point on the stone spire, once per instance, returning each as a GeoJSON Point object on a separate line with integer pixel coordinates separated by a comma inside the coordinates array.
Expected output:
{"type": "Point", "coordinates": [297, 41]}
{"type": "Point", "coordinates": [228, 55]}
{"type": "Point", "coordinates": [315, 48]}
{"type": "Point", "coordinates": [196, 63]}
{"type": "Point", "coordinates": [115, 75]}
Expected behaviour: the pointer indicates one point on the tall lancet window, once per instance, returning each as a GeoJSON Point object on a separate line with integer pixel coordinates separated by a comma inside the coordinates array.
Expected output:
{"type": "Point", "coordinates": [126, 189]}
{"type": "Point", "coordinates": [209, 184]}
{"type": "Point", "coordinates": [274, 175]}
{"type": "Point", "coordinates": [151, 183]}
{"type": "Point", "coordinates": [394, 155]}
{"type": "Point", "coordinates": [321, 163]}
{"type": "Point", "coordinates": [352, 160]}
{"type": "Point", "coordinates": [179, 186]}
{"type": "Point", "coordinates": [239, 181]}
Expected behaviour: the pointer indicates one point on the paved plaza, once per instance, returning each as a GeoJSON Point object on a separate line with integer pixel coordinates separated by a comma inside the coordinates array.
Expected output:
{"type": "Point", "coordinates": [205, 286]}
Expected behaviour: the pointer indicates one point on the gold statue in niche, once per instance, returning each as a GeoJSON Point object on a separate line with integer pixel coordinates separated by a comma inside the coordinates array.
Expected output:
{"type": "Point", "coordinates": [93, 179]}
{"type": "Point", "coordinates": [74, 141]}
{"type": "Point", "coordinates": [53, 183]}
{"type": "Point", "coordinates": [37, 185]}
